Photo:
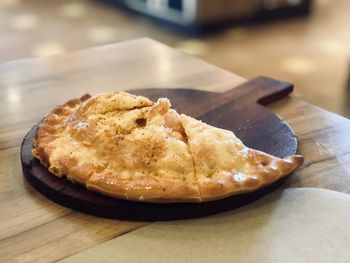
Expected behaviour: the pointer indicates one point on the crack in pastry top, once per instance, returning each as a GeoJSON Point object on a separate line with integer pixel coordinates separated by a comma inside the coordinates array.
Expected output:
{"type": "Point", "coordinates": [129, 147]}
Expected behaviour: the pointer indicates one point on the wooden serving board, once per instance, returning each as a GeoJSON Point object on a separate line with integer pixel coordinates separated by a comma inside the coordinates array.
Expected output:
{"type": "Point", "coordinates": [238, 110]}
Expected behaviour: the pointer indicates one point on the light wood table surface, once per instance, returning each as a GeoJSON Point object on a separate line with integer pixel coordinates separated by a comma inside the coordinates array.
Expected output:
{"type": "Point", "coordinates": [34, 229]}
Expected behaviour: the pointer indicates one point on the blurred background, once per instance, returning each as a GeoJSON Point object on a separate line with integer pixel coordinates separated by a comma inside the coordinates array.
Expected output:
{"type": "Point", "coordinates": [302, 41]}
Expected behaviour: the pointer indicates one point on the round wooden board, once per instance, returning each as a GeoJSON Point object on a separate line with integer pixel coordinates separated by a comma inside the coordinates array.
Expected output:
{"type": "Point", "coordinates": [236, 110]}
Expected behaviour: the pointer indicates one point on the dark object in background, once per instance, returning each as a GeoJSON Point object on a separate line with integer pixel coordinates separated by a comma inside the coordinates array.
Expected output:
{"type": "Point", "coordinates": [196, 16]}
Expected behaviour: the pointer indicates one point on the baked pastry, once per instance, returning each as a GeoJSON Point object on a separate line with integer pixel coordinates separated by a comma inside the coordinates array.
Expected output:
{"type": "Point", "coordinates": [129, 147]}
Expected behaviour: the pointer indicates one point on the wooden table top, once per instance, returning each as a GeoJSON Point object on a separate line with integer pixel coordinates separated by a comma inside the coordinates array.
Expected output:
{"type": "Point", "coordinates": [32, 228]}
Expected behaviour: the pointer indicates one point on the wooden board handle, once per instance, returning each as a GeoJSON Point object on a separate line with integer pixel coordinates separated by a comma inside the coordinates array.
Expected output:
{"type": "Point", "coordinates": [262, 90]}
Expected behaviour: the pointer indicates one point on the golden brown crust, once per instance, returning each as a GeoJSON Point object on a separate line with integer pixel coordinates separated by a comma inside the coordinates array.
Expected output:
{"type": "Point", "coordinates": [233, 183]}
{"type": "Point", "coordinates": [224, 166]}
{"type": "Point", "coordinates": [131, 148]}
{"type": "Point", "coordinates": [51, 127]}
{"type": "Point", "coordinates": [144, 188]}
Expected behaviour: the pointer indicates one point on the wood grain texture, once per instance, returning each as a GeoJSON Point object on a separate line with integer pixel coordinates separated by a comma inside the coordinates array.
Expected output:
{"type": "Point", "coordinates": [236, 110]}
{"type": "Point", "coordinates": [324, 140]}
{"type": "Point", "coordinates": [30, 88]}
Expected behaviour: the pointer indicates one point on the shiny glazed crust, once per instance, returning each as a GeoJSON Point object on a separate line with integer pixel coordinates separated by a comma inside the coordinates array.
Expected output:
{"type": "Point", "coordinates": [129, 147]}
